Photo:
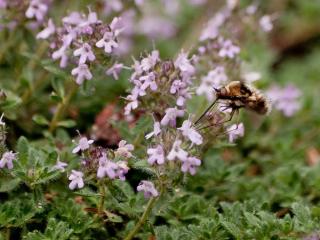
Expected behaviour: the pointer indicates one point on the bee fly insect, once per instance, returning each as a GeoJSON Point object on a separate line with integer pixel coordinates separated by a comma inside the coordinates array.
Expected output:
{"type": "Point", "coordinates": [236, 95]}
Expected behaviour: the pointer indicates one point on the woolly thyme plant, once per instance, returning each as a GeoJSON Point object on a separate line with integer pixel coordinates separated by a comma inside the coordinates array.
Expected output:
{"type": "Point", "coordinates": [58, 188]}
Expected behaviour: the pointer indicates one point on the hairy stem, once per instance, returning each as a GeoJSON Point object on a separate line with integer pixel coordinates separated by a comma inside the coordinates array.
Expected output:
{"type": "Point", "coordinates": [61, 107]}
{"type": "Point", "coordinates": [102, 191]}
{"type": "Point", "coordinates": [142, 219]}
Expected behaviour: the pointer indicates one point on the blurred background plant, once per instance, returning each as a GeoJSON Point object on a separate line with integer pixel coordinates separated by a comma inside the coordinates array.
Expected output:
{"type": "Point", "coordinates": [264, 186]}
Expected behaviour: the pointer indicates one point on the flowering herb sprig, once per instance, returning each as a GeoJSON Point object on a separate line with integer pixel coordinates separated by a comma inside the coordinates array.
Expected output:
{"type": "Point", "coordinates": [84, 40]}
{"type": "Point", "coordinates": [100, 162]}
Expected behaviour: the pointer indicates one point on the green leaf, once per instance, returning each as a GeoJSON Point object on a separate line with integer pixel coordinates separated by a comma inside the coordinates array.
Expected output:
{"type": "Point", "coordinates": [8, 185]}
{"type": "Point", "coordinates": [56, 98]}
{"type": "Point", "coordinates": [12, 101]}
{"type": "Point", "coordinates": [117, 193]}
{"type": "Point", "coordinates": [302, 214]}
{"type": "Point", "coordinates": [67, 123]}
{"type": "Point", "coordinates": [55, 71]}
{"type": "Point", "coordinates": [55, 230]}
{"type": "Point", "coordinates": [232, 228]}
{"type": "Point", "coordinates": [57, 85]}
{"type": "Point", "coordinates": [41, 120]}
{"type": "Point", "coordinates": [252, 219]}
{"type": "Point", "coordinates": [113, 217]}
{"type": "Point", "coordinates": [23, 150]}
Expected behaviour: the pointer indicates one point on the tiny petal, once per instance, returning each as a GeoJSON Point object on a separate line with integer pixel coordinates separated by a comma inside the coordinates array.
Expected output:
{"type": "Point", "coordinates": [148, 189]}
{"type": "Point", "coordinates": [235, 131]}
{"type": "Point", "coordinates": [76, 179]}
{"type": "Point", "coordinates": [7, 159]}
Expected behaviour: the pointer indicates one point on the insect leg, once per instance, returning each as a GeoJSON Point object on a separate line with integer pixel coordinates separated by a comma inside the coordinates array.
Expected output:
{"type": "Point", "coordinates": [205, 112]}
{"type": "Point", "coordinates": [210, 115]}
{"type": "Point", "coordinates": [220, 123]}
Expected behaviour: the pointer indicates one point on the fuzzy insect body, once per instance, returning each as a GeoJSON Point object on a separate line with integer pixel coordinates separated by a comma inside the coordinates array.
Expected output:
{"type": "Point", "coordinates": [234, 96]}
{"type": "Point", "coordinates": [240, 95]}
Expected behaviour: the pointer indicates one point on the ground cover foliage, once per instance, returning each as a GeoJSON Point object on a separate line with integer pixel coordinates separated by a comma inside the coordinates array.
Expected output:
{"type": "Point", "coordinates": [97, 141]}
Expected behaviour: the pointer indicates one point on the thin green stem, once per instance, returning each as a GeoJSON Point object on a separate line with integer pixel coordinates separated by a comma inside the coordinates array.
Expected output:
{"type": "Point", "coordinates": [102, 191]}
{"type": "Point", "coordinates": [61, 107]}
{"type": "Point", "coordinates": [142, 219]}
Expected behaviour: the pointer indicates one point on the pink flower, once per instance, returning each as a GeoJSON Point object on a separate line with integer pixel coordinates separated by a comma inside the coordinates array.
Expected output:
{"type": "Point", "coordinates": [115, 70]}
{"type": "Point", "coordinates": [176, 86]}
{"type": "Point", "coordinates": [48, 31]}
{"type": "Point", "coordinates": [285, 99]}
{"type": "Point", "coordinates": [177, 152]}
{"type": "Point", "coordinates": [182, 62]}
{"type": "Point", "coordinates": [106, 167]}
{"type": "Point", "coordinates": [156, 130]}
{"type": "Point", "coordinates": [266, 23]}
{"type": "Point", "coordinates": [190, 165]}
{"type": "Point", "coordinates": [83, 145]}
{"type": "Point", "coordinates": [60, 166]}
{"type": "Point", "coordinates": [85, 26]}
{"type": "Point", "coordinates": [116, 26]}
{"type": "Point", "coordinates": [150, 61]}
{"type": "Point", "coordinates": [190, 132]}
{"type": "Point", "coordinates": [37, 9]}
{"type": "Point", "coordinates": [74, 18]}
{"type": "Point", "coordinates": [148, 81]}
{"type": "Point", "coordinates": [212, 29]}
{"type": "Point", "coordinates": [156, 155]}
{"type": "Point", "coordinates": [155, 26]}
{"type": "Point", "coordinates": [85, 53]}
{"type": "Point", "coordinates": [112, 6]}
{"type": "Point", "coordinates": [76, 179]}
{"type": "Point", "coordinates": [235, 131]}
{"type": "Point", "coordinates": [171, 116]}
{"type": "Point", "coordinates": [107, 42]}
{"type": "Point", "coordinates": [7, 159]}
{"type": "Point", "coordinates": [228, 49]}
{"type": "Point", "coordinates": [61, 53]}
{"type": "Point", "coordinates": [111, 169]}
{"type": "Point", "coordinates": [122, 170]}
{"type": "Point", "coordinates": [125, 149]}
{"type": "Point", "coordinates": [148, 189]}
{"type": "Point", "coordinates": [3, 4]}
{"type": "Point", "coordinates": [82, 72]}
{"type": "Point", "coordinates": [133, 104]}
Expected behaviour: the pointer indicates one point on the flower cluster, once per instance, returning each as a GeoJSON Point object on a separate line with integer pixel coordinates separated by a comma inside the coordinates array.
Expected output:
{"type": "Point", "coordinates": [80, 38]}
{"type": "Point", "coordinates": [98, 162]}
{"type": "Point", "coordinates": [285, 99]}
{"type": "Point", "coordinates": [164, 81]}
{"type": "Point", "coordinates": [37, 9]}
{"type": "Point", "coordinates": [16, 12]}
{"type": "Point", "coordinates": [168, 82]}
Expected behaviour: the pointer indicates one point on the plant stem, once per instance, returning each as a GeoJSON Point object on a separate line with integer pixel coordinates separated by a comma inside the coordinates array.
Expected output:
{"type": "Point", "coordinates": [61, 107]}
{"type": "Point", "coordinates": [8, 233]}
{"type": "Point", "coordinates": [102, 197]}
{"type": "Point", "coordinates": [142, 219]}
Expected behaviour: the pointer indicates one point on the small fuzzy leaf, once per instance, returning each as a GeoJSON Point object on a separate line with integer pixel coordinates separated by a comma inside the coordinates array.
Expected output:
{"type": "Point", "coordinates": [39, 119]}
{"type": "Point", "coordinates": [67, 123]}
